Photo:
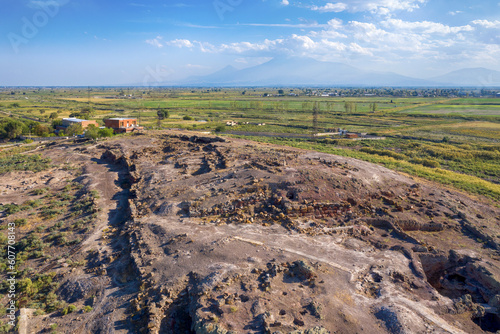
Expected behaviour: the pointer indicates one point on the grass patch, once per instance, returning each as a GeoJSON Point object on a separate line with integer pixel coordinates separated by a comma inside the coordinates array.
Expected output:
{"type": "Point", "coordinates": [464, 182]}
{"type": "Point", "coordinates": [20, 162]}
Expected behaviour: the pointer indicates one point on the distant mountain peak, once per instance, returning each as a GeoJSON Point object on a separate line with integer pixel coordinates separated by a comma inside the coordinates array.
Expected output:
{"type": "Point", "coordinates": [227, 69]}
{"type": "Point", "coordinates": [304, 71]}
{"type": "Point", "coordinates": [478, 76]}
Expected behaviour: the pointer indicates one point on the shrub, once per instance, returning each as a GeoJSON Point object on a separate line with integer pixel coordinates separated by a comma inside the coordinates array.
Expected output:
{"type": "Point", "coordinates": [32, 204]}
{"type": "Point", "coordinates": [20, 221]}
{"type": "Point", "coordinates": [431, 163]}
{"type": "Point", "coordinates": [220, 128]}
{"type": "Point", "coordinates": [68, 309]}
{"type": "Point", "coordinates": [187, 118]}
{"type": "Point", "coordinates": [87, 309]}
{"type": "Point", "coordinates": [40, 191]}
{"type": "Point", "coordinates": [34, 163]}
{"type": "Point", "coordinates": [103, 133]}
{"type": "Point", "coordinates": [11, 208]}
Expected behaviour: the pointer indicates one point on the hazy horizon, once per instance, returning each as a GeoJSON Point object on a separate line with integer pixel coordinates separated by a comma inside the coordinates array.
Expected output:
{"type": "Point", "coordinates": [81, 43]}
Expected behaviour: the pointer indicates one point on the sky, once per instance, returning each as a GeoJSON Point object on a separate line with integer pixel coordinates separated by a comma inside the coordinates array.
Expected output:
{"type": "Point", "coordinates": [111, 42]}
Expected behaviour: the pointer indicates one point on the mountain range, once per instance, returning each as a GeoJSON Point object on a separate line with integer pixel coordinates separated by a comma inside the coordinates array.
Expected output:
{"type": "Point", "coordinates": [309, 72]}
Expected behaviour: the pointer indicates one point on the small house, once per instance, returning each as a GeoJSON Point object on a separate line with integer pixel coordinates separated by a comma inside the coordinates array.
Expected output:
{"type": "Point", "coordinates": [122, 125]}
{"type": "Point", "coordinates": [67, 122]}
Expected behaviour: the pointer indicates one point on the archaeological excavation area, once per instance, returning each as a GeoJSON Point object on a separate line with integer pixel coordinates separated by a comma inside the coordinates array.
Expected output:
{"type": "Point", "coordinates": [194, 233]}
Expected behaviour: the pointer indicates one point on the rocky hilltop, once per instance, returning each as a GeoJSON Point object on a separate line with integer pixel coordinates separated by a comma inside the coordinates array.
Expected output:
{"type": "Point", "coordinates": [202, 234]}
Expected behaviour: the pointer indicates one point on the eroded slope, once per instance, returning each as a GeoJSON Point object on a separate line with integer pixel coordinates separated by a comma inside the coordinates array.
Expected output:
{"type": "Point", "coordinates": [212, 235]}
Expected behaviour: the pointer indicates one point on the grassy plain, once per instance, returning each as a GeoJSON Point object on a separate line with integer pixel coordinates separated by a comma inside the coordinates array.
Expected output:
{"type": "Point", "coordinates": [454, 141]}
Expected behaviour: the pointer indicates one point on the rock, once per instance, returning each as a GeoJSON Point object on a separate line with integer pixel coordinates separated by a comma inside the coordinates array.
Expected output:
{"type": "Point", "coordinates": [465, 304]}
{"type": "Point", "coordinates": [257, 308]}
{"type": "Point", "coordinates": [302, 270]}
{"type": "Point", "coordinates": [210, 328]}
{"type": "Point", "coordinates": [495, 301]}
{"type": "Point", "coordinates": [316, 309]}
{"type": "Point", "coordinates": [76, 289]}
{"type": "Point", "coordinates": [317, 330]}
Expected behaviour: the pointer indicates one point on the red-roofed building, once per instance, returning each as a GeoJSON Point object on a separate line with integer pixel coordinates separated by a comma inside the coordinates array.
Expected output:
{"type": "Point", "coordinates": [122, 125]}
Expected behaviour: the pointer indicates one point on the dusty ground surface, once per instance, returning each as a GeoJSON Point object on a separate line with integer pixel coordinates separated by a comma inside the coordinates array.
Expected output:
{"type": "Point", "coordinates": [200, 234]}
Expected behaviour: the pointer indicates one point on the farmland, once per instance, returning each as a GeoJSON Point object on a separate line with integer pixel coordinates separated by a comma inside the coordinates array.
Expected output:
{"type": "Point", "coordinates": [172, 228]}
{"type": "Point", "coordinates": [451, 140]}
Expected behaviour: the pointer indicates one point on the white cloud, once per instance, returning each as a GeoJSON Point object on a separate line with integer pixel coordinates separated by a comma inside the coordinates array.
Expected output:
{"type": "Point", "coordinates": [356, 48]}
{"type": "Point", "coordinates": [285, 2]}
{"type": "Point", "coordinates": [487, 24]}
{"type": "Point", "coordinates": [425, 27]}
{"type": "Point", "coordinates": [155, 42]}
{"type": "Point", "coordinates": [456, 12]}
{"type": "Point", "coordinates": [382, 7]}
{"type": "Point", "coordinates": [391, 42]}
{"type": "Point", "coordinates": [331, 7]}
{"type": "Point", "coordinates": [286, 25]}
{"type": "Point", "coordinates": [181, 43]}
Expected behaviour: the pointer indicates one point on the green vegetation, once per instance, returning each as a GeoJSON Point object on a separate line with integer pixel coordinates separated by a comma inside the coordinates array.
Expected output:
{"type": "Point", "coordinates": [471, 184]}
{"type": "Point", "coordinates": [19, 162]}
{"type": "Point", "coordinates": [47, 243]}
{"type": "Point", "coordinates": [431, 133]}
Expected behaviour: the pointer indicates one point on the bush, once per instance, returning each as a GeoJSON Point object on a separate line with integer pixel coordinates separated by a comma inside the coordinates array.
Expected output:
{"type": "Point", "coordinates": [68, 309]}
{"type": "Point", "coordinates": [187, 118]}
{"type": "Point", "coordinates": [104, 133]}
{"type": "Point", "coordinates": [40, 191]}
{"type": "Point", "coordinates": [87, 309]}
{"type": "Point", "coordinates": [11, 208]}
{"type": "Point", "coordinates": [32, 204]}
{"type": "Point", "coordinates": [431, 163]}
{"type": "Point", "coordinates": [20, 221]}
{"type": "Point", "coordinates": [20, 162]}
{"type": "Point", "coordinates": [11, 128]}
{"type": "Point", "coordinates": [220, 128]}
{"type": "Point", "coordinates": [28, 141]}
{"type": "Point", "coordinates": [92, 132]}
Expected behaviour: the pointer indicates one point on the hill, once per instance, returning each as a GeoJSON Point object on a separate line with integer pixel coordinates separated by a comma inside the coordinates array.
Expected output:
{"type": "Point", "coordinates": [470, 77]}
{"type": "Point", "coordinates": [294, 71]}
{"type": "Point", "coordinates": [179, 232]}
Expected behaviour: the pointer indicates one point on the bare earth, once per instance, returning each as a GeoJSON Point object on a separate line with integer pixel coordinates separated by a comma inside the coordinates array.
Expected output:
{"type": "Point", "coordinates": [200, 234]}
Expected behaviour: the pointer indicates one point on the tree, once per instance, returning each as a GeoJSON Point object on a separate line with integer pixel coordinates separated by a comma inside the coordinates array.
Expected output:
{"type": "Point", "coordinates": [12, 129]}
{"type": "Point", "coordinates": [162, 114]}
{"type": "Point", "coordinates": [316, 110]}
{"type": "Point", "coordinates": [373, 107]}
{"type": "Point", "coordinates": [92, 132]}
{"type": "Point", "coordinates": [15, 105]}
{"type": "Point", "coordinates": [105, 133]}
{"type": "Point", "coordinates": [281, 92]}
{"type": "Point", "coordinates": [42, 111]}
{"type": "Point", "coordinates": [53, 115]}
{"type": "Point", "coordinates": [41, 130]}
{"type": "Point", "coordinates": [56, 123]}
{"type": "Point", "coordinates": [220, 128]}
{"type": "Point", "coordinates": [350, 106]}
{"type": "Point", "coordinates": [74, 129]}
{"type": "Point", "coordinates": [86, 112]}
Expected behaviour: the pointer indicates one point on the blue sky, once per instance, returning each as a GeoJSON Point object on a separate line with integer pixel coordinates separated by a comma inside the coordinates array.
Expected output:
{"type": "Point", "coordinates": [90, 42]}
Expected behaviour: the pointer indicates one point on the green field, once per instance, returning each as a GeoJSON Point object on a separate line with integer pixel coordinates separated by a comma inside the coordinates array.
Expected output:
{"type": "Point", "coordinates": [451, 140]}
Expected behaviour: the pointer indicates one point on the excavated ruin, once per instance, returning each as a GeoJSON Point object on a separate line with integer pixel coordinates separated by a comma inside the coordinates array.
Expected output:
{"type": "Point", "coordinates": [231, 236]}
